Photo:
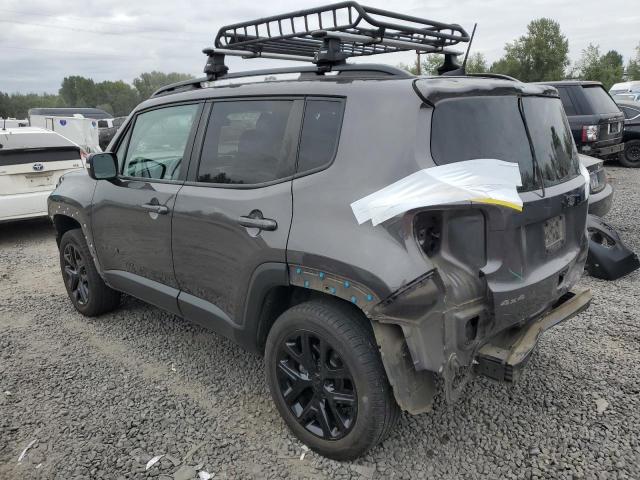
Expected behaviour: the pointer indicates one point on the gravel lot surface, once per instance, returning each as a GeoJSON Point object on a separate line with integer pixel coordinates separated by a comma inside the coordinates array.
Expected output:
{"type": "Point", "coordinates": [101, 397]}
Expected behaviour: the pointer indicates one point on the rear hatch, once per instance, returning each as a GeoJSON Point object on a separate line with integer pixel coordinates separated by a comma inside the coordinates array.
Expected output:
{"type": "Point", "coordinates": [531, 258]}
{"type": "Point", "coordinates": [604, 113]}
{"type": "Point", "coordinates": [32, 160]}
{"type": "Point", "coordinates": [594, 106]}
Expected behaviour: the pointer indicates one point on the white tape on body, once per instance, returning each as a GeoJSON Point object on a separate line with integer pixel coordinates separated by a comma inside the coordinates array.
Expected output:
{"type": "Point", "coordinates": [482, 180]}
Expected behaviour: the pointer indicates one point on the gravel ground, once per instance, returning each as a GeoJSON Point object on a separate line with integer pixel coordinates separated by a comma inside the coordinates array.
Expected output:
{"type": "Point", "coordinates": [100, 397]}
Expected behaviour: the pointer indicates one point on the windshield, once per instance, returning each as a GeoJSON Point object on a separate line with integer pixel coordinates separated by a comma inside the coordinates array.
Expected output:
{"type": "Point", "coordinates": [599, 99]}
{"type": "Point", "coordinates": [492, 127]}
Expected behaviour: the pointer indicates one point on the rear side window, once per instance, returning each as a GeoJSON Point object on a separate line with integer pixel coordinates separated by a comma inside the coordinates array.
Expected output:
{"type": "Point", "coordinates": [158, 142]}
{"type": "Point", "coordinates": [320, 133]}
{"type": "Point", "coordinates": [567, 102]}
{"type": "Point", "coordinates": [552, 139]}
{"type": "Point", "coordinates": [482, 127]}
{"type": "Point", "coordinates": [599, 100]}
{"type": "Point", "coordinates": [248, 142]}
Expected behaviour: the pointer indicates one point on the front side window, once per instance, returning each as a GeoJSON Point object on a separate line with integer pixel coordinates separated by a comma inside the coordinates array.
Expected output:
{"type": "Point", "coordinates": [158, 142]}
{"type": "Point", "coordinates": [247, 142]}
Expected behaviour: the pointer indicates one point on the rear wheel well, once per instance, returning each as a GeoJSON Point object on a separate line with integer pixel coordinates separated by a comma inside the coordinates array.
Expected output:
{"type": "Point", "coordinates": [63, 224]}
{"type": "Point", "coordinates": [281, 298]}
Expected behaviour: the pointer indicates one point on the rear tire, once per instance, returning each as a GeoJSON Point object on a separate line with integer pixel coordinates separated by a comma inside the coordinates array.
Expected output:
{"type": "Point", "coordinates": [327, 379]}
{"type": "Point", "coordinates": [86, 289]}
{"type": "Point", "coordinates": [630, 157]}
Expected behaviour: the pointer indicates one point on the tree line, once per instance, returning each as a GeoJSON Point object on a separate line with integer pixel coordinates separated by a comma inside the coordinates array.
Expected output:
{"type": "Point", "coordinates": [117, 98]}
{"type": "Point", "coordinates": [541, 55]}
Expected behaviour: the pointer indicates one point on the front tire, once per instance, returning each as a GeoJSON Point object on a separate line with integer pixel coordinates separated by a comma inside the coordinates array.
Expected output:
{"type": "Point", "coordinates": [326, 377]}
{"type": "Point", "coordinates": [86, 289]}
{"type": "Point", "coordinates": [630, 157]}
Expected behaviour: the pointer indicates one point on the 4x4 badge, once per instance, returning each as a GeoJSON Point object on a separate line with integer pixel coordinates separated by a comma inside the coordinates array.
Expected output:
{"type": "Point", "coordinates": [511, 301]}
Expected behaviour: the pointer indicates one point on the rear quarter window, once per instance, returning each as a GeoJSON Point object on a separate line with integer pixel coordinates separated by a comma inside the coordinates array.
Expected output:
{"type": "Point", "coordinates": [567, 101]}
{"type": "Point", "coordinates": [320, 134]}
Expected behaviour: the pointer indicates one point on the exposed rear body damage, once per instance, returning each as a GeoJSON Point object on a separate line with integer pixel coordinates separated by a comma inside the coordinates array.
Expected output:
{"type": "Point", "coordinates": [450, 277]}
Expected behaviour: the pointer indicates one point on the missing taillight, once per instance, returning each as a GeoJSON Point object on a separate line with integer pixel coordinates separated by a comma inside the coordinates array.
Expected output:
{"type": "Point", "coordinates": [429, 233]}
{"type": "Point", "coordinates": [471, 329]}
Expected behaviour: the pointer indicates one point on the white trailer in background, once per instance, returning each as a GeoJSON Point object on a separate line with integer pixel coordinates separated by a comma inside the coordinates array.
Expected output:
{"type": "Point", "coordinates": [13, 123]}
{"type": "Point", "coordinates": [80, 130]}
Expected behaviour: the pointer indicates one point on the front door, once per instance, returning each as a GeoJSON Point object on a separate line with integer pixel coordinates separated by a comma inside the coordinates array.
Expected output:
{"type": "Point", "coordinates": [234, 212]}
{"type": "Point", "coordinates": [132, 214]}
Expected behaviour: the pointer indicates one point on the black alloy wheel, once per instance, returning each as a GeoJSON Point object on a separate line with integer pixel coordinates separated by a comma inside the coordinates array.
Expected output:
{"type": "Point", "coordinates": [633, 153]}
{"type": "Point", "coordinates": [75, 271]}
{"type": "Point", "coordinates": [86, 289]}
{"type": "Point", "coordinates": [316, 385]}
{"type": "Point", "coordinates": [326, 377]}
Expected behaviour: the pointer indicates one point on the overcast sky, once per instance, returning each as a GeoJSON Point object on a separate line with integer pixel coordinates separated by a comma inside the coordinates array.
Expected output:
{"type": "Point", "coordinates": [42, 41]}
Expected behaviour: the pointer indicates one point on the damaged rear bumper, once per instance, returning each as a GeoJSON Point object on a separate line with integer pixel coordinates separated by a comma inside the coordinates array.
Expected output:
{"type": "Point", "coordinates": [504, 356]}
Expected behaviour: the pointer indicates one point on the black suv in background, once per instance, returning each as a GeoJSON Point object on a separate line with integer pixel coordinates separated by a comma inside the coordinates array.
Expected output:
{"type": "Point", "coordinates": [596, 121]}
{"type": "Point", "coordinates": [631, 155]}
{"type": "Point", "coordinates": [245, 207]}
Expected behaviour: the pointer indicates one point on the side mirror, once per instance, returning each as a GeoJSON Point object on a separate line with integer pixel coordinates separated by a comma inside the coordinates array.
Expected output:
{"type": "Point", "coordinates": [102, 166]}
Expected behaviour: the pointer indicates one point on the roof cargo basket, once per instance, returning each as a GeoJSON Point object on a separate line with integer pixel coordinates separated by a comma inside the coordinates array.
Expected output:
{"type": "Point", "coordinates": [328, 35]}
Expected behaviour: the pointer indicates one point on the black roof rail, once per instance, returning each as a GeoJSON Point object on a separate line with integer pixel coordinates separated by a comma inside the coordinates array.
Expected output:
{"type": "Point", "coordinates": [362, 70]}
{"type": "Point", "coordinates": [328, 35]}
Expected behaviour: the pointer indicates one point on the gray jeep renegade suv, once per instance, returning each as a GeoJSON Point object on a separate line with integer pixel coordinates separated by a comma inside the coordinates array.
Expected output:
{"type": "Point", "coordinates": [230, 205]}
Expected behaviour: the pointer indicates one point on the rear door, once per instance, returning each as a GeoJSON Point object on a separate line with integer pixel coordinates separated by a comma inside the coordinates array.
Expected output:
{"type": "Point", "coordinates": [131, 215]}
{"type": "Point", "coordinates": [234, 212]}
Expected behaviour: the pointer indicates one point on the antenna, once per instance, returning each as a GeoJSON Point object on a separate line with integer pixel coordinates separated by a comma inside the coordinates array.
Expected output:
{"type": "Point", "coordinates": [466, 55]}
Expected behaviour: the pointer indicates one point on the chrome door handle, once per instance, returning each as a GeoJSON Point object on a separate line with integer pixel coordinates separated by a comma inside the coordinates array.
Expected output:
{"type": "Point", "coordinates": [155, 208]}
{"type": "Point", "coordinates": [256, 220]}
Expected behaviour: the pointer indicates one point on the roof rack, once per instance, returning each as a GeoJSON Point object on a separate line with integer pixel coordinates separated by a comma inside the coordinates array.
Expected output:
{"type": "Point", "coordinates": [328, 35]}
{"type": "Point", "coordinates": [362, 70]}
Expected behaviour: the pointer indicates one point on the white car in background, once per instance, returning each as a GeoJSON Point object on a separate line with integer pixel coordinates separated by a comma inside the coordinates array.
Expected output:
{"type": "Point", "coordinates": [32, 160]}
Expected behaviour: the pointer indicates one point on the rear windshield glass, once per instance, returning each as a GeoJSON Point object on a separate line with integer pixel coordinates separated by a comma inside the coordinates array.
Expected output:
{"type": "Point", "coordinates": [551, 138]}
{"type": "Point", "coordinates": [599, 100]}
{"type": "Point", "coordinates": [492, 127]}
